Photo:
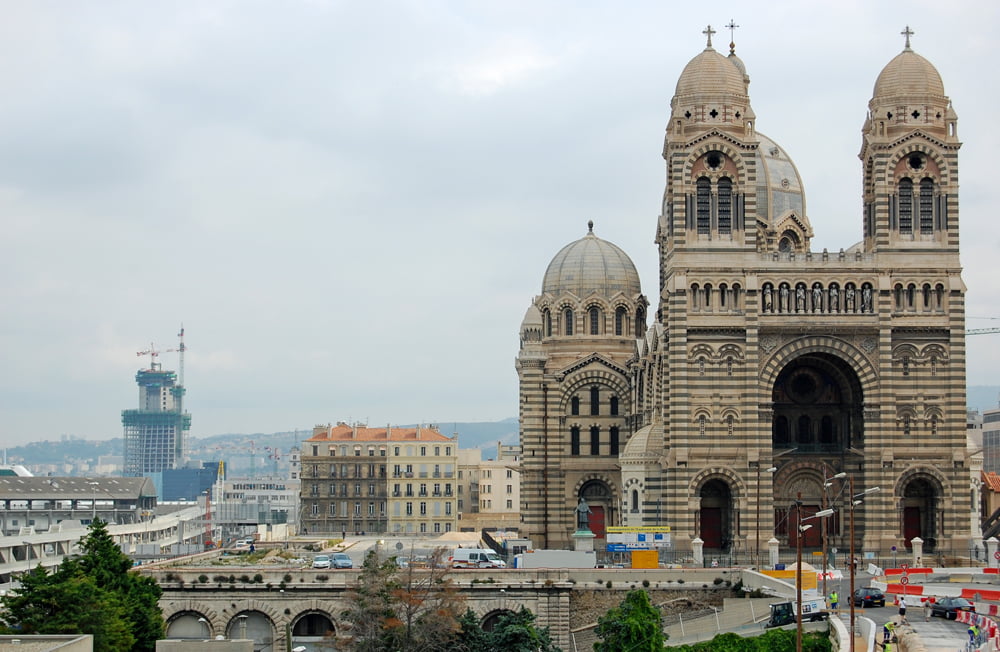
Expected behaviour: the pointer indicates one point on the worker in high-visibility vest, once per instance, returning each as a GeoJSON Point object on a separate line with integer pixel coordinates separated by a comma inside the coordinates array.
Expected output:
{"type": "Point", "coordinates": [973, 632]}
{"type": "Point", "coordinates": [887, 631]}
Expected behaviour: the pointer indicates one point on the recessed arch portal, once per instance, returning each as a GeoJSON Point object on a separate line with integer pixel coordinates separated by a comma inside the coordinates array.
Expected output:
{"type": "Point", "coordinates": [599, 499]}
{"type": "Point", "coordinates": [818, 405]}
{"type": "Point", "coordinates": [715, 514]}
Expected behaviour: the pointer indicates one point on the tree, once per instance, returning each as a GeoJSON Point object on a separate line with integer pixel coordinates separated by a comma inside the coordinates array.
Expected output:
{"type": "Point", "coordinates": [416, 610]}
{"type": "Point", "coordinates": [95, 593]}
{"type": "Point", "coordinates": [634, 625]}
{"type": "Point", "coordinates": [517, 632]}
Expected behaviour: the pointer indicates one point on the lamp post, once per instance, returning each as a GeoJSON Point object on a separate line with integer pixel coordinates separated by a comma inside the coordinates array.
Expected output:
{"type": "Point", "coordinates": [770, 470]}
{"type": "Point", "coordinates": [799, 529]}
{"type": "Point", "coordinates": [855, 500]}
{"type": "Point", "coordinates": [28, 555]}
{"type": "Point", "coordinates": [827, 483]}
{"type": "Point", "coordinates": [94, 503]}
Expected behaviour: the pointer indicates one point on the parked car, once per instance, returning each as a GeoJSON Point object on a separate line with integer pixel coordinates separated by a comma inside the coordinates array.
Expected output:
{"type": "Point", "coordinates": [869, 597]}
{"type": "Point", "coordinates": [949, 607]}
{"type": "Point", "coordinates": [340, 560]}
{"type": "Point", "coordinates": [321, 561]}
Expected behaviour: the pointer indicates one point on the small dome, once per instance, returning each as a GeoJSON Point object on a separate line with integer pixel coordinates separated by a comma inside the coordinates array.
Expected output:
{"type": "Point", "coordinates": [711, 74]}
{"type": "Point", "coordinates": [591, 265]}
{"type": "Point", "coordinates": [532, 318]}
{"type": "Point", "coordinates": [908, 75]}
{"type": "Point", "coordinates": [779, 186]}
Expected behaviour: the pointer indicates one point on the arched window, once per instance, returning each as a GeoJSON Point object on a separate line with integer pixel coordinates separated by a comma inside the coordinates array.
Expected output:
{"type": "Point", "coordinates": [595, 440]}
{"type": "Point", "coordinates": [725, 189]}
{"type": "Point", "coordinates": [619, 320]}
{"type": "Point", "coordinates": [635, 500]}
{"type": "Point", "coordinates": [926, 206]}
{"type": "Point", "coordinates": [614, 406]}
{"type": "Point", "coordinates": [704, 205]}
{"type": "Point", "coordinates": [613, 434]}
{"type": "Point", "coordinates": [547, 322]}
{"type": "Point", "coordinates": [574, 405]}
{"type": "Point", "coordinates": [640, 322]}
{"type": "Point", "coordinates": [804, 434]}
{"type": "Point", "coordinates": [723, 292]}
{"type": "Point", "coordinates": [906, 206]}
{"type": "Point", "coordinates": [568, 319]}
{"type": "Point", "coordinates": [595, 320]}
{"type": "Point", "coordinates": [574, 440]}
{"type": "Point", "coordinates": [595, 401]}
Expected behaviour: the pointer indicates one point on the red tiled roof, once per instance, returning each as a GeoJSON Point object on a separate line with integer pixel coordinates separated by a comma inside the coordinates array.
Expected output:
{"type": "Point", "coordinates": [343, 432]}
{"type": "Point", "coordinates": [991, 480]}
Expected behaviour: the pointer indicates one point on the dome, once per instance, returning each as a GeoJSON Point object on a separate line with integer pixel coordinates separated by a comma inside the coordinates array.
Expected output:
{"type": "Point", "coordinates": [908, 75]}
{"type": "Point", "coordinates": [779, 186]}
{"type": "Point", "coordinates": [591, 265]}
{"type": "Point", "coordinates": [712, 74]}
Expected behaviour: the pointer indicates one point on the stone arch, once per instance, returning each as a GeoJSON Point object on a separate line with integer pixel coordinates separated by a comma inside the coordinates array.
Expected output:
{"type": "Point", "coordinates": [920, 492]}
{"type": "Point", "coordinates": [713, 145]}
{"type": "Point", "coordinates": [491, 618]}
{"type": "Point", "coordinates": [309, 626]}
{"type": "Point", "coordinates": [187, 623]}
{"type": "Point", "coordinates": [858, 361]}
{"type": "Point", "coordinates": [258, 625]}
{"type": "Point", "coordinates": [603, 498]}
{"type": "Point", "coordinates": [718, 491]}
{"type": "Point", "coordinates": [584, 379]}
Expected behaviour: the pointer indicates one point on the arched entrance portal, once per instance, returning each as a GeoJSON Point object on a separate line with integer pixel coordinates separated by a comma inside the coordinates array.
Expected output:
{"type": "Point", "coordinates": [715, 514]}
{"type": "Point", "coordinates": [920, 511]}
{"type": "Point", "coordinates": [818, 402]}
{"type": "Point", "coordinates": [598, 497]}
{"type": "Point", "coordinates": [253, 625]}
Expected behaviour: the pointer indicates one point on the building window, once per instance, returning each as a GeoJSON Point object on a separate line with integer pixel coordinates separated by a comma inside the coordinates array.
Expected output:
{"type": "Point", "coordinates": [906, 206]}
{"type": "Point", "coordinates": [595, 440]}
{"type": "Point", "coordinates": [568, 319]}
{"type": "Point", "coordinates": [423, 451]}
{"type": "Point", "coordinates": [510, 504]}
{"type": "Point", "coordinates": [574, 440]}
{"type": "Point", "coordinates": [447, 509]}
{"type": "Point", "coordinates": [315, 509]}
{"type": "Point", "coordinates": [574, 405]}
{"type": "Point", "coordinates": [613, 432]}
{"type": "Point", "coordinates": [614, 406]}
{"type": "Point", "coordinates": [595, 320]}
{"type": "Point", "coordinates": [547, 322]}
{"type": "Point", "coordinates": [926, 206]}
{"type": "Point", "coordinates": [409, 509]}
{"type": "Point", "coordinates": [423, 509]}
{"type": "Point", "coordinates": [725, 190]}
{"type": "Point", "coordinates": [619, 320]}
{"type": "Point", "coordinates": [371, 509]}
{"type": "Point", "coordinates": [704, 205]}
{"type": "Point", "coordinates": [395, 450]}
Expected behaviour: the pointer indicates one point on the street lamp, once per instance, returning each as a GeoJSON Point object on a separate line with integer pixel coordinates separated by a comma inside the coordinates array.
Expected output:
{"type": "Point", "coordinates": [28, 555]}
{"type": "Point", "coordinates": [856, 499]}
{"type": "Point", "coordinates": [770, 470]}
{"type": "Point", "coordinates": [94, 503]}
{"type": "Point", "coordinates": [800, 528]}
{"type": "Point", "coordinates": [827, 483]}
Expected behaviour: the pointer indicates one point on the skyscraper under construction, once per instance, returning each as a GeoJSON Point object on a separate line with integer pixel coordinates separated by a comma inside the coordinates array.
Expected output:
{"type": "Point", "coordinates": [155, 433]}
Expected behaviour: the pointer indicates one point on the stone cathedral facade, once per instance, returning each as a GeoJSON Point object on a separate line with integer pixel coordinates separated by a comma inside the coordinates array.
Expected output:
{"type": "Point", "coordinates": [767, 368]}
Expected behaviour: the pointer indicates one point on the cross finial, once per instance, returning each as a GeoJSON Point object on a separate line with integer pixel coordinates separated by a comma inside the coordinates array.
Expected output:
{"type": "Point", "coordinates": [732, 36]}
{"type": "Point", "coordinates": [708, 31]}
{"type": "Point", "coordinates": [907, 33]}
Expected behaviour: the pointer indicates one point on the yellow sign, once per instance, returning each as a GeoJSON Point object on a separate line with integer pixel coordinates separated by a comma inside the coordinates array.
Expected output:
{"type": "Point", "coordinates": [645, 559]}
{"type": "Point", "coordinates": [809, 578]}
{"type": "Point", "coordinates": [624, 529]}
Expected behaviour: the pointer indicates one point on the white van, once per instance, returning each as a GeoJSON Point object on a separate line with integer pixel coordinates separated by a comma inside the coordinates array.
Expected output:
{"type": "Point", "coordinates": [476, 558]}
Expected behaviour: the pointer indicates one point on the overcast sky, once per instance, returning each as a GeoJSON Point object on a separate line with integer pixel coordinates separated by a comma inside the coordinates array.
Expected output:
{"type": "Point", "coordinates": [351, 205]}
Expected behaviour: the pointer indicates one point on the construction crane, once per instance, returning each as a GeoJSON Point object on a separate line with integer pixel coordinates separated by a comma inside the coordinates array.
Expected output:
{"type": "Point", "coordinates": [152, 353]}
{"type": "Point", "coordinates": [181, 348]}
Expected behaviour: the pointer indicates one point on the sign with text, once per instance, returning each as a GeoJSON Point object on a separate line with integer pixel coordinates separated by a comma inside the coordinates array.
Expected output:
{"type": "Point", "coordinates": [622, 538]}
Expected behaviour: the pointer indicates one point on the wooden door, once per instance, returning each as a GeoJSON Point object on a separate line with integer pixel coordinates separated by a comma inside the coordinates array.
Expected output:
{"type": "Point", "coordinates": [711, 527]}
{"type": "Point", "coordinates": [595, 520]}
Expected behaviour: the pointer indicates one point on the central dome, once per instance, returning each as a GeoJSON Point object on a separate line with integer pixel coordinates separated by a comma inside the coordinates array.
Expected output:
{"type": "Point", "coordinates": [591, 265]}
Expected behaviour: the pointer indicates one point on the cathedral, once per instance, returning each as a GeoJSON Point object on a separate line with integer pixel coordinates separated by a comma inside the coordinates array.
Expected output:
{"type": "Point", "coordinates": [769, 379]}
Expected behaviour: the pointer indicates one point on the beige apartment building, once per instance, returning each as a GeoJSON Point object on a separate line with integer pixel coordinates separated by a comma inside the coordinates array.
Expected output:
{"type": "Point", "coordinates": [768, 368]}
{"type": "Point", "coordinates": [489, 491]}
{"type": "Point", "coordinates": [379, 480]}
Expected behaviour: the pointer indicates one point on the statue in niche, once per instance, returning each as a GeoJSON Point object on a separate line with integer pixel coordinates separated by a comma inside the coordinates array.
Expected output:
{"type": "Point", "coordinates": [768, 307]}
{"type": "Point", "coordinates": [866, 299]}
{"type": "Point", "coordinates": [783, 306]}
{"type": "Point", "coordinates": [817, 299]}
{"type": "Point", "coordinates": [849, 300]}
{"type": "Point", "coordinates": [800, 299]}
{"type": "Point", "coordinates": [834, 297]}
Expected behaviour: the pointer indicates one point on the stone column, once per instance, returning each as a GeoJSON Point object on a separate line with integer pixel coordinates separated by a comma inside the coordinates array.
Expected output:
{"type": "Point", "coordinates": [698, 551]}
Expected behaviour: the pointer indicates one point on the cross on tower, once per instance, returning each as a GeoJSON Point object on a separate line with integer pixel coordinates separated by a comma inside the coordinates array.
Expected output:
{"type": "Point", "coordinates": [708, 31]}
{"type": "Point", "coordinates": [732, 37]}
{"type": "Point", "coordinates": [907, 33]}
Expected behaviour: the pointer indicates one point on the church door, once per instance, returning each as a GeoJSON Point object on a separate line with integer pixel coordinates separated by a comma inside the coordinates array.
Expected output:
{"type": "Point", "coordinates": [911, 524]}
{"type": "Point", "coordinates": [595, 519]}
{"type": "Point", "coordinates": [711, 527]}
